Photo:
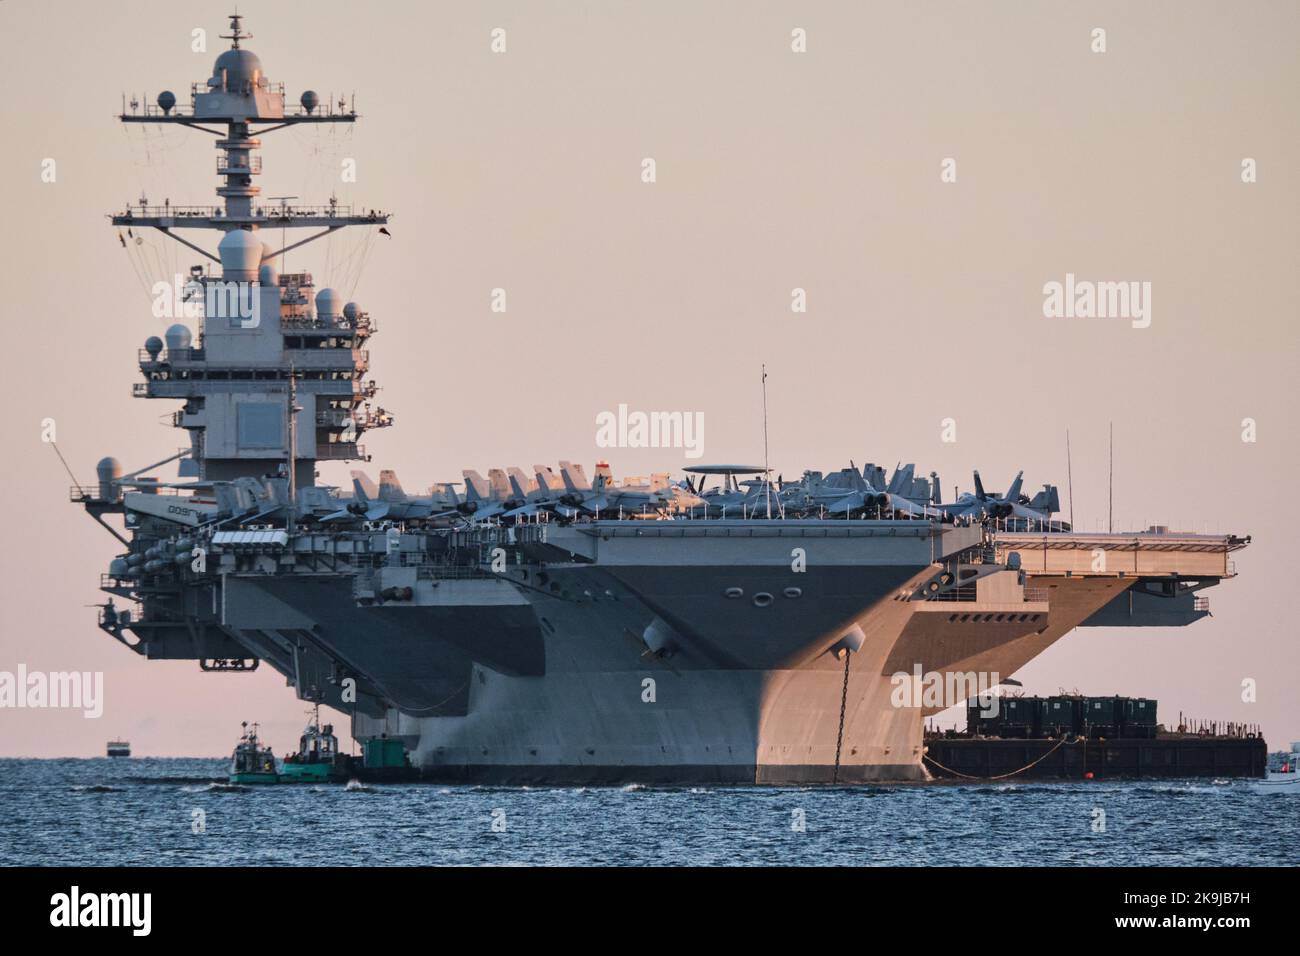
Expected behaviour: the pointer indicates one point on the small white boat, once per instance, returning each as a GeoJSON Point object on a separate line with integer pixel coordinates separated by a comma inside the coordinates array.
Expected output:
{"type": "Point", "coordinates": [1285, 780]}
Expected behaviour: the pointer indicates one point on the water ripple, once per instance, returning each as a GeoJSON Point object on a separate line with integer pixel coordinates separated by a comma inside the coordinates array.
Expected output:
{"type": "Point", "coordinates": [181, 812]}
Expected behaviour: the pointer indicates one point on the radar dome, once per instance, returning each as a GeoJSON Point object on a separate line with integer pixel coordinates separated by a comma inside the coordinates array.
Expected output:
{"type": "Point", "coordinates": [153, 345]}
{"type": "Point", "coordinates": [309, 100]}
{"type": "Point", "coordinates": [178, 337]}
{"type": "Point", "coordinates": [327, 303]}
{"type": "Point", "coordinates": [166, 100]}
{"type": "Point", "coordinates": [108, 471]}
{"type": "Point", "coordinates": [267, 274]}
{"type": "Point", "coordinates": [351, 311]}
{"type": "Point", "coordinates": [241, 66]}
{"type": "Point", "coordinates": [241, 253]}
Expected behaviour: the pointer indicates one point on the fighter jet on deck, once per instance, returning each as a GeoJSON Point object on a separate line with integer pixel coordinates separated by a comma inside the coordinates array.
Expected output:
{"type": "Point", "coordinates": [602, 495]}
{"type": "Point", "coordinates": [984, 504]}
{"type": "Point", "coordinates": [848, 491]}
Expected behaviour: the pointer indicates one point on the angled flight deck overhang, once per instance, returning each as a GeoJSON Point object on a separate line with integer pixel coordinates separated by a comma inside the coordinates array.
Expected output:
{"type": "Point", "coordinates": [1154, 553]}
{"type": "Point", "coordinates": [1158, 573]}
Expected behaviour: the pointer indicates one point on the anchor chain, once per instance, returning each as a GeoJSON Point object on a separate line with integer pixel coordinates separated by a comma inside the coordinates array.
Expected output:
{"type": "Point", "coordinates": [844, 703]}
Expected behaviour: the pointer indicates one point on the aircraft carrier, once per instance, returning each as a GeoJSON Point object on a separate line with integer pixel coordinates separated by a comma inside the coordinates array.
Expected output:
{"type": "Point", "coordinates": [551, 628]}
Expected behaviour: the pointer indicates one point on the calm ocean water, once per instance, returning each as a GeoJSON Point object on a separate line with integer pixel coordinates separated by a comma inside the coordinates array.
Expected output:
{"type": "Point", "coordinates": [145, 811]}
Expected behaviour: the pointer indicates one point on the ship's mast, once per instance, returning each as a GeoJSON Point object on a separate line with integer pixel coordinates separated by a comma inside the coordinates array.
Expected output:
{"type": "Point", "coordinates": [234, 36]}
{"type": "Point", "coordinates": [233, 378]}
{"type": "Point", "coordinates": [239, 96]}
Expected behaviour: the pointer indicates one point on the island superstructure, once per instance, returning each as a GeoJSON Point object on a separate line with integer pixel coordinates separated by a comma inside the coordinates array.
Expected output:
{"type": "Point", "coordinates": [551, 629]}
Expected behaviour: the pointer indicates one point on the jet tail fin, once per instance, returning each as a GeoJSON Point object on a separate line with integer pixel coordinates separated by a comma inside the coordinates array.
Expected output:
{"type": "Point", "coordinates": [1047, 500]}
{"type": "Point", "coordinates": [473, 480]}
{"type": "Point", "coordinates": [874, 475]}
{"type": "Point", "coordinates": [574, 477]}
{"type": "Point", "coordinates": [390, 489]}
{"type": "Point", "coordinates": [499, 485]}
{"type": "Point", "coordinates": [526, 484]}
{"type": "Point", "coordinates": [901, 482]}
{"type": "Point", "coordinates": [1013, 493]}
{"type": "Point", "coordinates": [546, 479]}
{"type": "Point", "coordinates": [516, 486]}
{"type": "Point", "coordinates": [363, 487]}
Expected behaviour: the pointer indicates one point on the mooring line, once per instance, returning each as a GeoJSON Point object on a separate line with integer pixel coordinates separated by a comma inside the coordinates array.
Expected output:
{"type": "Point", "coordinates": [1001, 776]}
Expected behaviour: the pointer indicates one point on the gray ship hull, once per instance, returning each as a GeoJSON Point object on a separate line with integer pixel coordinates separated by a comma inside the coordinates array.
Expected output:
{"type": "Point", "coordinates": [702, 727]}
{"type": "Point", "coordinates": [639, 668]}
{"type": "Point", "coordinates": [621, 658]}
{"type": "Point", "coordinates": [537, 688]}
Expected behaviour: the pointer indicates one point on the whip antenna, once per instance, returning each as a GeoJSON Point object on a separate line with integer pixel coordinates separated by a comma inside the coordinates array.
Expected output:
{"type": "Point", "coordinates": [767, 471]}
{"type": "Point", "coordinates": [1069, 476]}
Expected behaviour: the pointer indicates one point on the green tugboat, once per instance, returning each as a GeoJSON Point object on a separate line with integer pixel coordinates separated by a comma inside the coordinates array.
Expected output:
{"type": "Point", "coordinates": [251, 762]}
{"type": "Point", "coordinates": [318, 759]}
